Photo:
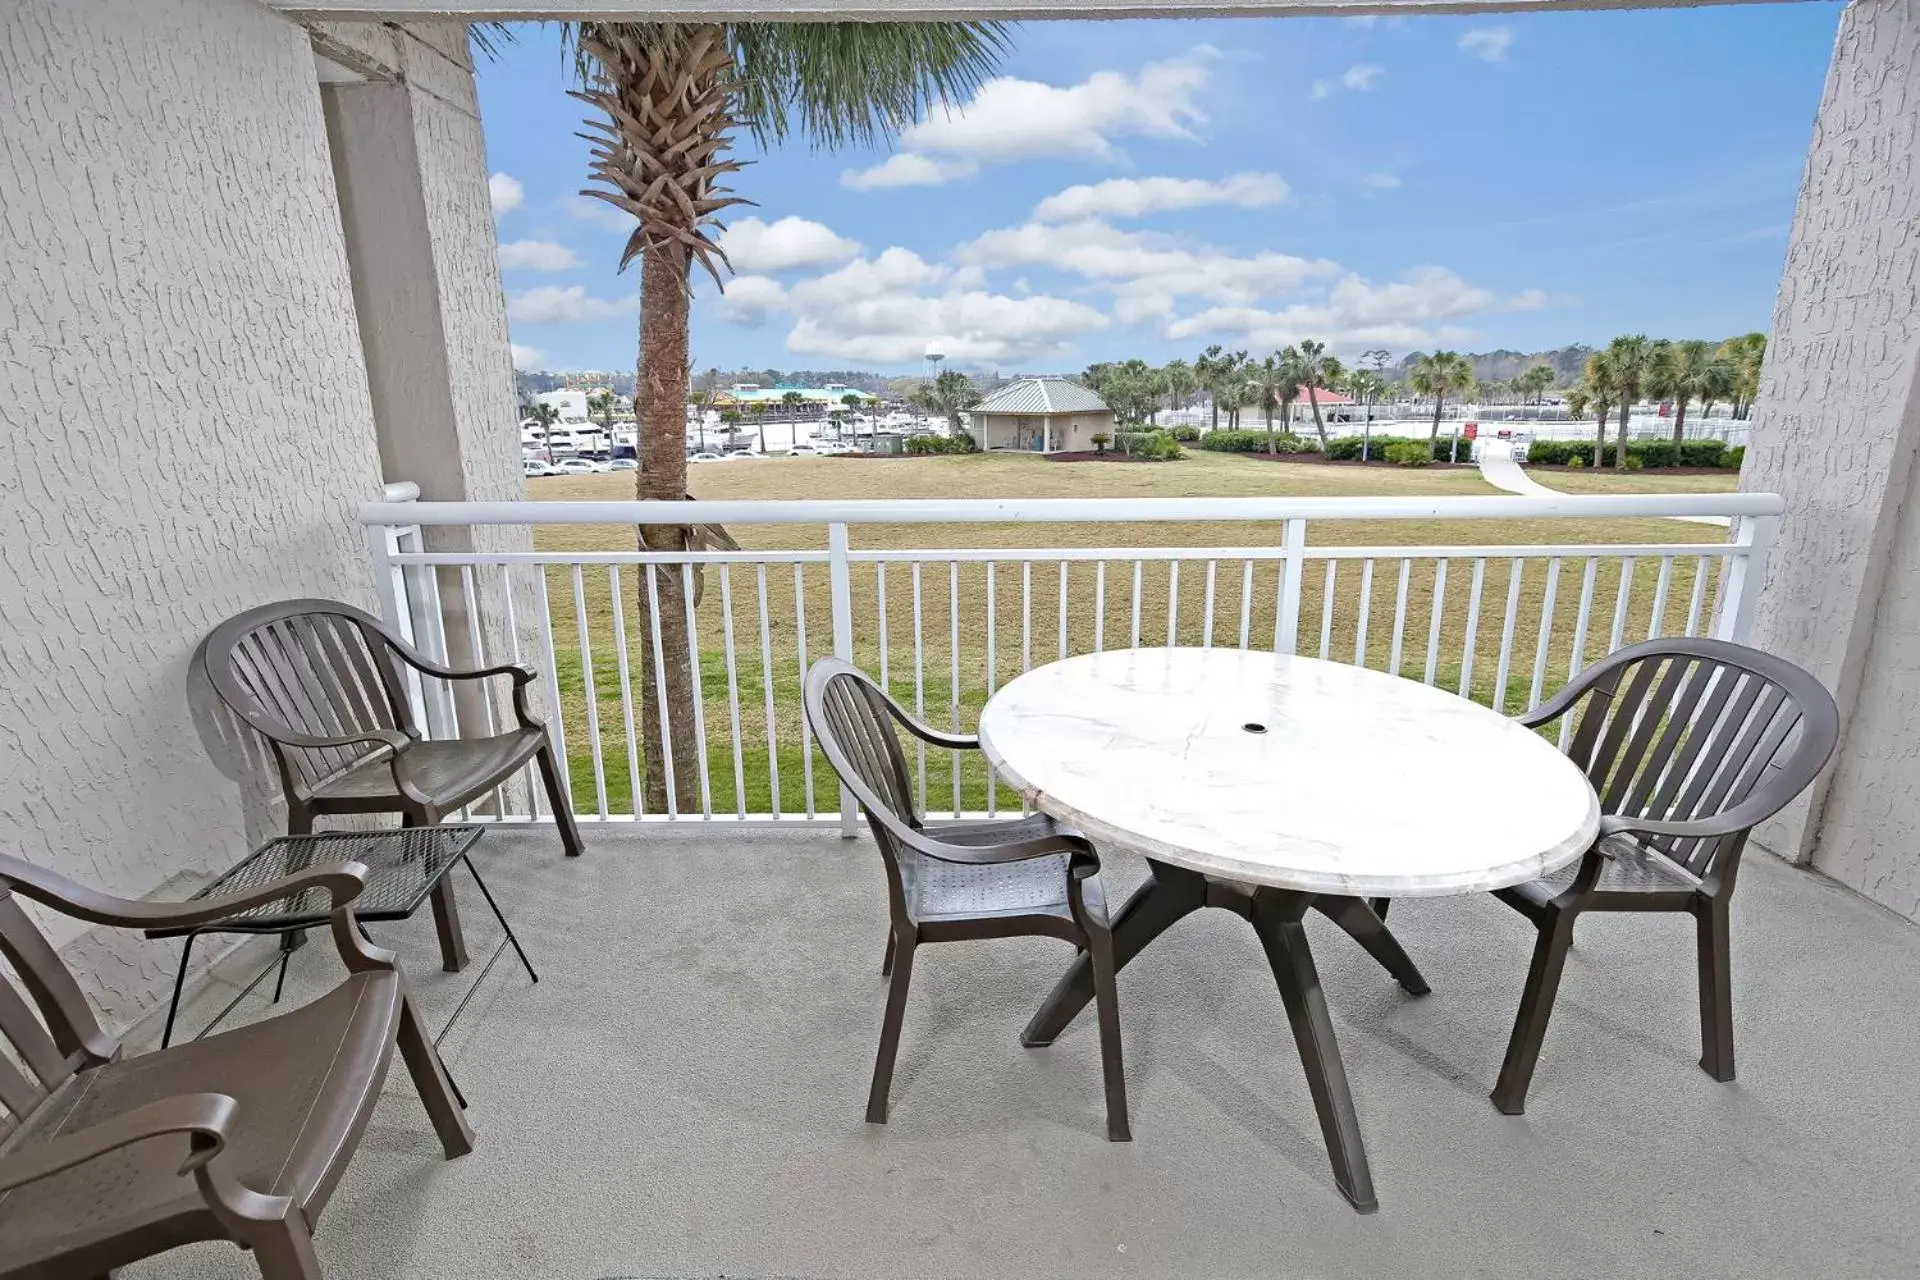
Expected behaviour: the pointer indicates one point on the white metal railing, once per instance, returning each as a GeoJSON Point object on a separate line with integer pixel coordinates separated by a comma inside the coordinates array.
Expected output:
{"type": "Point", "coordinates": [1504, 620]}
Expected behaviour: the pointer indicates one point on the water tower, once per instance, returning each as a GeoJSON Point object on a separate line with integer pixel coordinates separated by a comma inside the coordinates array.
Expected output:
{"type": "Point", "coordinates": [933, 356]}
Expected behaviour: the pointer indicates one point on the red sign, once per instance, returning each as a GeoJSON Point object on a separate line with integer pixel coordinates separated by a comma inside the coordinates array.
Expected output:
{"type": "Point", "coordinates": [1471, 431]}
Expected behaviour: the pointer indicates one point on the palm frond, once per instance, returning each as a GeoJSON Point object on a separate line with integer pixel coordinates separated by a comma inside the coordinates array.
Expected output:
{"type": "Point", "coordinates": [487, 37]}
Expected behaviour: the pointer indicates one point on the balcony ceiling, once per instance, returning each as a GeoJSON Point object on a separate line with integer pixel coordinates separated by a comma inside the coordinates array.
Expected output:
{"type": "Point", "coordinates": [775, 10]}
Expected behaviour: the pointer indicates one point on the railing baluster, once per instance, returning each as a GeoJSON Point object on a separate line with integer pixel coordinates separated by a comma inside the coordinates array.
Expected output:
{"type": "Point", "coordinates": [1515, 572]}
{"type": "Point", "coordinates": [1246, 603]}
{"type": "Point", "coordinates": [993, 786]}
{"type": "Point", "coordinates": [1660, 588]}
{"type": "Point", "coordinates": [1133, 641]}
{"type": "Point", "coordinates": [1433, 625]}
{"type": "Point", "coordinates": [1546, 633]}
{"type": "Point", "coordinates": [652, 573]}
{"type": "Point", "coordinates": [1326, 611]}
{"type": "Point", "coordinates": [1581, 621]}
{"type": "Point", "coordinates": [733, 690]}
{"type": "Point", "coordinates": [766, 686]}
{"type": "Point", "coordinates": [513, 654]}
{"type": "Point", "coordinates": [1173, 603]}
{"type": "Point", "coordinates": [1621, 603]}
{"type": "Point", "coordinates": [1399, 617]}
{"type": "Point", "coordinates": [1026, 616]}
{"type": "Point", "coordinates": [1100, 606]}
{"type": "Point", "coordinates": [1063, 608]}
{"type": "Point", "coordinates": [880, 605]}
{"type": "Point", "coordinates": [919, 688]}
{"type": "Point", "coordinates": [1699, 596]}
{"type": "Point", "coordinates": [593, 700]}
{"type": "Point", "coordinates": [800, 651]}
{"type": "Point", "coordinates": [699, 692]}
{"type": "Point", "coordinates": [1366, 606]}
{"type": "Point", "coordinates": [1206, 630]}
{"type": "Point", "coordinates": [1473, 627]}
{"type": "Point", "coordinates": [621, 663]}
{"type": "Point", "coordinates": [558, 725]}
{"type": "Point", "coordinates": [953, 673]}
{"type": "Point", "coordinates": [1287, 586]}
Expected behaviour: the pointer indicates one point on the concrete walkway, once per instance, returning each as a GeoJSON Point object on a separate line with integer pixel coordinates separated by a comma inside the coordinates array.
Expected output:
{"type": "Point", "coordinates": [1499, 469]}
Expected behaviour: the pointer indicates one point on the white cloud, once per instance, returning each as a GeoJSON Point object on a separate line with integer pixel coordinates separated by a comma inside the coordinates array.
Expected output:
{"type": "Point", "coordinates": [1132, 197]}
{"type": "Point", "coordinates": [896, 270]}
{"type": "Point", "coordinates": [1012, 119]}
{"type": "Point", "coordinates": [1361, 76]}
{"type": "Point", "coordinates": [750, 300]}
{"type": "Point", "coordinates": [1321, 89]}
{"type": "Point", "coordinates": [537, 255]}
{"type": "Point", "coordinates": [1488, 43]}
{"type": "Point", "coordinates": [598, 212]}
{"type": "Point", "coordinates": [1530, 300]}
{"type": "Point", "coordinates": [505, 192]}
{"type": "Point", "coordinates": [753, 245]}
{"type": "Point", "coordinates": [554, 304]}
{"type": "Point", "coordinates": [907, 169]}
{"type": "Point", "coordinates": [1354, 312]}
{"type": "Point", "coordinates": [527, 358]}
{"type": "Point", "coordinates": [1146, 270]}
{"type": "Point", "coordinates": [1382, 181]}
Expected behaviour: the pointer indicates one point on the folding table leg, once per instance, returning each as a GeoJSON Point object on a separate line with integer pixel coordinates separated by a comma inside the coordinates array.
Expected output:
{"type": "Point", "coordinates": [446, 923]}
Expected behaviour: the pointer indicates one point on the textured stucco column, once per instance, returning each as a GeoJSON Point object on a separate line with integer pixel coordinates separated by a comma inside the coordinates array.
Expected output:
{"type": "Point", "coordinates": [410, 164]}
{"type": "Point", "coordinates": [1835, 431]}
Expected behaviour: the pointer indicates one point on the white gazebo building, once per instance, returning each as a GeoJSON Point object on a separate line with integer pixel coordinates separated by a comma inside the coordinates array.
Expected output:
{"type": "Point", "coordinates": [1040, 415]}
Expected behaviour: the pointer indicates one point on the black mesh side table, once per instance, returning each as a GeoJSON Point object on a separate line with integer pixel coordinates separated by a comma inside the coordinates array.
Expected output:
{"type": "Point", "coordinates": [405, 866]}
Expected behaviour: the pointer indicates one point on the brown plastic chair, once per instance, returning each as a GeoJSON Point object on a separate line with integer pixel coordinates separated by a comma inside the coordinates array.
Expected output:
{"type": "Point", "coordinates": [1687, 744]}
{"type": "Point", "coordinates": [317, 679]}
{"type": "Point", "coordinates": [951, 882]}
{"type": "Point", "coordinates": [240, 1136]}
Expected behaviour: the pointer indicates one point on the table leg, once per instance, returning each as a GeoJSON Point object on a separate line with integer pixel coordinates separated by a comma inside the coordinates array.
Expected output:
{"type": "Point", "coordinates": [1276, 918]}
{"type": "Point", "coordinates": [1364, 925]}
{"type": "Point", "coordinates": [446, 923]}
{"type": "Point", "coordinates": [1169, 894]}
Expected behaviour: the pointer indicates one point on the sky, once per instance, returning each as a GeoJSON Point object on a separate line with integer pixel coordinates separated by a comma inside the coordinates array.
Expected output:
{"type": "Point", "coordinates": [1147, 188]}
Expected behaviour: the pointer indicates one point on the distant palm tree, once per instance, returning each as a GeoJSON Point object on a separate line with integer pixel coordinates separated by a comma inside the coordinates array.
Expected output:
{"type": "Point", "coordinates": [1598, 390]}
{"type": "Point", "coordinates": [1436, 375]}
{"type": "Point", "coordinates": [1686, 371]}
{"type": "Point", "coordinates": [545, 416]}
{"type": "Point", "coordinates": [1746, 354]}
{"type": "Point", "coordinates": [853, 402]}
{"type": "Point", "coordinates": [1206, 375]}
{"type": "Point", "coordinates": [1535, 381]}
{"type": "Point", "coordinates": [1631, 356]}
{"type": "Point", "coordinates": [1366, 387]}
{"type": "Point", "coordinates": [1287, 375]}
{"type": "Point", "coordinates": [950, 394]}
{"type": "Point", "coordinates": [792, 401]}
{"type": "Point", "coordinates": [672, 97]}
{"type": "Point", "coordinates": [1176, 377]}
{"type": "Point", "coordinates": [1318, 370]}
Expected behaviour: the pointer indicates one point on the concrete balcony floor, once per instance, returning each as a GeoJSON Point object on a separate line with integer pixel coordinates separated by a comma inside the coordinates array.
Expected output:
{"type": "Point", "coordinates": [681, 1094]}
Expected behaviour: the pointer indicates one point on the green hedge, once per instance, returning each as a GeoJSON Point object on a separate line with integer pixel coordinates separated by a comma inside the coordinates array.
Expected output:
{"type": "Point", "coordinates": [1186, 434]}
{"type": "Point", "coordinates": [1147, 446]}
{"type": "Point", "coordinates": [1244, 440]}
{"type": "Point", "coordinates": [1409, 453]}
{"type": "Point", "coordinates": [1651, 453]}
{"type": "Point", "coordinates": [962, 443]}
{"type": "Point", "coordinates": [1440, 449]}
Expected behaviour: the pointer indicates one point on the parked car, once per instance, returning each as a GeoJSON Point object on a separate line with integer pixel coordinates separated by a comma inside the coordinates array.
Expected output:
{"type": "Point", "coordinates": [703, 456]}
{"type": "Point", "coordinates": [577, 467]}
{"type": "Point", "coordinates": [623, 464]}
{"type": "Point", "coordinates": [804, 451]}
{"type": "Point", "coordinates": [738, 455]}
{"type": "Point", "coordinates": [537, 467]}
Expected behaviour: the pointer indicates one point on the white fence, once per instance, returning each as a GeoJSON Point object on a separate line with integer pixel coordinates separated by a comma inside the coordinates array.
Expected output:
{"type": "Point", "coordinates": [944, 601]}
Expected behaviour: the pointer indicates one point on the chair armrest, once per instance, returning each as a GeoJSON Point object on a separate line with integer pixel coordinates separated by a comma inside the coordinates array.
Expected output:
{"type": "Point", "coordinates": [393, 739]}
{"type": "Point", "coordinates": [207, 1119]}
{"type": "Point", "coordinates": [1737, 819]}
{"type": "Point", "coordinates": [930, 735]}
{"type": "Point", "coordinates": [988, 855]}
{"type": "Point", "coordinates": [342, 883]}
{"type": "Point", "coordinates": [421, 662]}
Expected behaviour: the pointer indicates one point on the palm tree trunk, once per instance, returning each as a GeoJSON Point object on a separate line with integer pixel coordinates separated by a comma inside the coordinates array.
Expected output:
{"type": "Point", "coordinates": [1439, 401]}
{"type": "Point", "coordinates": [1213, 405]}
{"type": "Point", "coordinates": [1620, 440]}
{"type": "Point", "coordinates": [1600, 440]}
{"type": "Point", "coordinates": [1266, 404]}
{"type": "Point", "coordinates": [1679, 426]}
{"type": "Point", "coordinates": [1319, 427]}
{"type": "Point", "coordinates": [663, 477]}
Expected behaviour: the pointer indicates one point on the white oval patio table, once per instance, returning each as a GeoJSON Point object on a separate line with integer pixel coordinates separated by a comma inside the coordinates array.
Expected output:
{"type": "Point", "coordinates": [1269, 785]}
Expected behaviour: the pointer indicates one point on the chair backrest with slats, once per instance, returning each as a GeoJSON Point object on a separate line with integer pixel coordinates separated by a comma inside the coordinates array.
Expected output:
{"type": "Point", "coordinates": [45, 1024]}
{"type": "Point", "coordinates": [314, 668]}
{"type": "Point", "coordinates": [854, 722]}
{"type": "Point", "coordinates": [1682, 730]}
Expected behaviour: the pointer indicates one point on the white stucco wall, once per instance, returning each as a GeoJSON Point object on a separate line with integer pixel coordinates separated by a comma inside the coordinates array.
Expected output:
{"type": "Point", "coordinates": [1835, 430]}
{"type": "Point", "coordinates": [184, 419]}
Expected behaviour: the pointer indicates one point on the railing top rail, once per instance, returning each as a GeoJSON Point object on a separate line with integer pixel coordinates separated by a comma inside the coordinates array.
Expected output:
{"type": "Point", "coordinates": [1071, 510]}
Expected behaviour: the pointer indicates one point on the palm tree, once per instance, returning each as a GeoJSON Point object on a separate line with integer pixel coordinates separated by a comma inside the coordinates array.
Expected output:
{"type": "Point", "coordinates": [1317, 369]}
{"type": "Point", "coordinates": [1206, 375]}
{"type": "Point", "coordinates": [1599, 387]}
{"type": "Point", "coordinates": [601, 402]}
{"type": "Point", "coordinates": [1437, 374]}
{"type": "Point", "coordinates": [1365, 386]}
{"type": "Point", "coordinates": [949, 394]}
{"type": "Point", "coordinates": [673, 96]}
{"type": "Point", "coordinates": [1176, 378]}
{"type": "Point", "coordinates": [1631, 356]}
{"type": "Point", "coordinates": [1686, 371]}
{"type": "Point", "coordinates": [792, 401]}
{"type": "Point", "coordinates": [852, 401]}
{"type": "Point", "coordinates": [544, 416]}
{"type": "Point", "coordinates": [1286, 376]}
{"type": "Point", "coordinates": [1746, 354]}
{"type": "Point", "coordinates": [1535, 381]}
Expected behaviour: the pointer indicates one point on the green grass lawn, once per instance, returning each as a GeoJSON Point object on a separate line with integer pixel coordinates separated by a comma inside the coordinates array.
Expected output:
{"type": "Point", "coordinates": [941, 668]}
{"type": "Point", "coordinates": [1588, 481]}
